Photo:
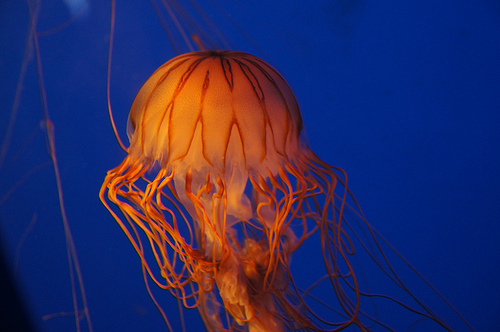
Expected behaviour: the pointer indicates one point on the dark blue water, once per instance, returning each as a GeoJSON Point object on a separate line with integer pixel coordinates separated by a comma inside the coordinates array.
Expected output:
{"type": "Point", "coordinates": [404, 97]}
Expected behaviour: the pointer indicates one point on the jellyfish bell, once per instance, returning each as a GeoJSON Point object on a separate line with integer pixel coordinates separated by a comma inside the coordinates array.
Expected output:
{"type": "Point", "coordinates": [226, 114]}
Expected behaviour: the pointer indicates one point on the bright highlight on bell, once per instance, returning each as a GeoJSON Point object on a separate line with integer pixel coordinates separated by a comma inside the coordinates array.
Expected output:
{"type": "Point", "coordinates": [225, 189]}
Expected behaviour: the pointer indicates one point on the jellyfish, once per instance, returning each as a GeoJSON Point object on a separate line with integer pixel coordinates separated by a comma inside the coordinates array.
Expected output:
{"type": "Point", "coordinates": [221, 186]}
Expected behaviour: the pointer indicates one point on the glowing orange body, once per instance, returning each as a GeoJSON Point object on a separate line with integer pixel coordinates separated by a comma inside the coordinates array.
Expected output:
{"type": "Point", "coordinates": [236, 192]}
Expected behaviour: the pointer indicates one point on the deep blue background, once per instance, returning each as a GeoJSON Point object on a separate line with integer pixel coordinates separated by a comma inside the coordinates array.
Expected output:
{"type": "Point", "coordinates": [404, 97]}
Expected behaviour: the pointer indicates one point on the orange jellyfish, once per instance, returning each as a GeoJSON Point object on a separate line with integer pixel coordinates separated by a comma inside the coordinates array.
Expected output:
{"type": "Point", "coordinates": [219, 190]}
